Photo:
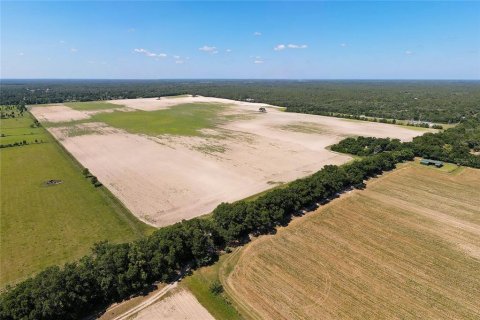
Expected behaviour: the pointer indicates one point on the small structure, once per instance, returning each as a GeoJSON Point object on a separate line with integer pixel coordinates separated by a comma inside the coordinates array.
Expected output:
{"type": "Point", "coordinates": [262, 109]}
{"type": "Point", "coordinates": [53, 182]}
{"type": "Point", "coordinates": [428, 162]}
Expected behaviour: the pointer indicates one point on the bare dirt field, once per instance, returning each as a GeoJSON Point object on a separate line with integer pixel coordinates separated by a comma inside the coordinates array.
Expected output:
{"type": "Point", "coordinates": [407, 247]}
{"type": "Point", "coordinates": [179, 304]}
{"type": "Point", "coordinates": [167, 162]}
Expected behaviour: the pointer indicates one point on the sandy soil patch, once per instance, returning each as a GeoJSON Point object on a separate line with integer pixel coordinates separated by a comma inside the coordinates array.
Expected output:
{"type": "Point", "coordinates": [58, 113]}
{"type": "Point", "coordinates": [179, 305]}
{"type": "Point", "coordinates": [151, 104]}
{"type": "Point", "coordinates": [55, 113]}
{"type": "Point", "coordinates": [165, 179]}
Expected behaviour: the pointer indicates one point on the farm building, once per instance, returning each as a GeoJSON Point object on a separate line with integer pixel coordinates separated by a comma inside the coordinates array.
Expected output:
{"type": "Point", "coordinates": [429, 162]}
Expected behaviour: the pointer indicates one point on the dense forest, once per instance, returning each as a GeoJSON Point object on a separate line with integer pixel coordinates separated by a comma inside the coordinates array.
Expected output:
{"type": "Point", "coordinates": [460, 145]}
{"type": "Point", "coordinates": [433, 101]}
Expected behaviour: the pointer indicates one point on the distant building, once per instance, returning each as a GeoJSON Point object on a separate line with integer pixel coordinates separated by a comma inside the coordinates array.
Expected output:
{"type": "Point", "coordinates": [250, 100]}
{"type": "Point", "coordinates": [428, 162]}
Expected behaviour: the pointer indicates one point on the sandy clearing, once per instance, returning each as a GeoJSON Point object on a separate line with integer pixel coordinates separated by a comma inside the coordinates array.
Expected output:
{"type": "Point", "coordinates": [165, 179]}
{"type": "Point", "coordinates": [181, 304]}
{"type": "Point", "coordinates": [151, 104]}
{"type": "Point", "coordinates": [58, 113]}
{"type": "Point", "coordinates": [55, 113]}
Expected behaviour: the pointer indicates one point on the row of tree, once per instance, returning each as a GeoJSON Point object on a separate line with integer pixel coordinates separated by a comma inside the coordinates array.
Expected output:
{"type": "Point", "coordinates": [460, 145]}
{"type": "Point", "coordinates": [432, 101]}
{"type": "Point", "coordinates": [113, 272]}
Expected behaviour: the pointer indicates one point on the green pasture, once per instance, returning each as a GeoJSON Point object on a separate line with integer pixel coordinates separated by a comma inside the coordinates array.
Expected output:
{"type": "Point", "coordinates": [184, 119]}
{"type": "Point", "coordinates": [44, 225]}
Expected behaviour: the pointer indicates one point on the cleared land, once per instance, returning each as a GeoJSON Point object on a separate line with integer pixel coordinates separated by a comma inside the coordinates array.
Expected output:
{"type": "Point", "coordinates": [407, 247]}
{"type": "Point", "coordinates": [178, 304]}
{"type": "Point", "coordinates": [170, 159]}
{"type": "Point", "coordinates": [45, 225]}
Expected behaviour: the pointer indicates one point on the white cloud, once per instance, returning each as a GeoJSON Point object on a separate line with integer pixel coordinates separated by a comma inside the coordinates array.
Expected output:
{"type": "Point", "coordinates": [257, 60]}
{"type": "Point", "coordinates": [257, 34]}
{"type": "Point", "coordinates": [297, 46]}
{"type": "Point", "coordinates": [209, 49]}
{"type": "Point", "coordinates": [176, 57]}
{"type": "Point", "coordinates": [150, 54]}
{"type": "Point", "coordinates": [73, 50]}
{"type": "Point", "coordinates": [21, 54]}
{"type": "Point", "coordinates": [281, 47]}
{"type": "Point", "coordinates": [343, 44]}
{"type": "Point", "coordinates": [408, 52]}
{"type": "Point", "coordinates": [62, 42]}
{"type": "Point", "coordinates": [228, 50]}
{"type": "Point", "coordinates": [131, 30]}
{"type": "Point", "coordinates": [179, 61]}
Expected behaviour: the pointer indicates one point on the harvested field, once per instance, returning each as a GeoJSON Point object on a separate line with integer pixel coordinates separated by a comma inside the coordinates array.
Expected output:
{"type": "Point", "coordinates": [177, 158]}
{"type": "Point", "coordinates": [178, 304]}
{"type": "Point", "coordinates": [407, 247]}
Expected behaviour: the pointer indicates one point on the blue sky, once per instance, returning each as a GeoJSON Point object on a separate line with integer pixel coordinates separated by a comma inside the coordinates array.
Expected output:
{"type": "Point", "coordinates": [300, 40]}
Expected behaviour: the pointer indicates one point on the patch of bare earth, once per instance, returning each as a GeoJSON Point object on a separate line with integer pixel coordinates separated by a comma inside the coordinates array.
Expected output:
{"type": "Point", "coordinates": [151, 104]}
{"type": "Point", "coordinates": [407, 247]}
{"type": "Point", "coordinates": [58, 113]}
{"type": "Point", "coordinates": [179, 304]}
{"type": "Point", "coordinates": [165, 179]}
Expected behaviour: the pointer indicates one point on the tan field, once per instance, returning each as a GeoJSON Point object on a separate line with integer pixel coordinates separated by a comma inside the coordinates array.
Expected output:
{"type": "Point", "coordinates": [180, 304]}
{"type": "Point", "coordinates": [164, 178]}
{"type": "Point", "coordinates": [407, 247]}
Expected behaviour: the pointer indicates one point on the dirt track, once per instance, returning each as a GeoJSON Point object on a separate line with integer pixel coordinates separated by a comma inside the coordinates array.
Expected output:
{"type": "Point", "coordinates": [180, 304]}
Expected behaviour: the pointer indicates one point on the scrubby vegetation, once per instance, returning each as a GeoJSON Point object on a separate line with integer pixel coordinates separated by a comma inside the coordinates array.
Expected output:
{"type": "Point", "coordinates": [457, 145]}
{"type": "Point", "coordinates": [382, 101]}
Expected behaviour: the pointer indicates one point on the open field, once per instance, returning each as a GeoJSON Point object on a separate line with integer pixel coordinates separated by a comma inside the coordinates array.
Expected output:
{"type": "Point", "coordinates": [48, 225]}
{"type": "Point", "coordinates": [407, 247]}
{"type": "Point", "coordinates": [170, 159]}
{"type": "Point", "coordinates": [177, 304]}
{"type": "Point", "coordinates": [96, 105]}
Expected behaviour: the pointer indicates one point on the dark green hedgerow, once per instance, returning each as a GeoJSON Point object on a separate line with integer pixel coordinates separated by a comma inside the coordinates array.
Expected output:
{"type": "Point", "coordinates": [113, 272]}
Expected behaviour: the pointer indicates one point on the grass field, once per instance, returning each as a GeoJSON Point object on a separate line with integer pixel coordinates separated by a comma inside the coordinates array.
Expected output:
{"type": "Point", "coordinates": [47, 225]}
{"type": "Point", "coordinates": [219, 306]}
{"type": "Point", "coordinates": [407, 247]}
{"type": "Point", "coordinates": [18, 130]}
{"type": "Point", "coordinates": [183, 119]}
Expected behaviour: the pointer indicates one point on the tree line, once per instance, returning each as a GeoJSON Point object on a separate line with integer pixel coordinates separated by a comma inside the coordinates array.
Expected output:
{"type": "Point", "coordinates": [112, 272]}
{"type": "Point", "coordinates": [459, 145]}
{"type": "Point", "coordinates": [420, 101]}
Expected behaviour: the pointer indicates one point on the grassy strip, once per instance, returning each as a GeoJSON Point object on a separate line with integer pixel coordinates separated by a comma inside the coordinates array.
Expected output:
{"type": "Point", "coordinates": [199, 283]}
